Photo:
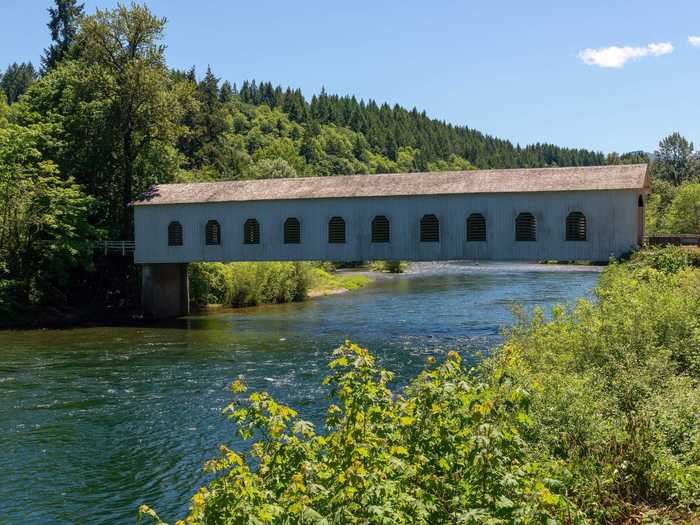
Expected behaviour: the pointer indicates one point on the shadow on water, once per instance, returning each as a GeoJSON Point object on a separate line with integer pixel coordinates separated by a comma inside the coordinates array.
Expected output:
{"type": "Point", "coordinates": [95, 421]}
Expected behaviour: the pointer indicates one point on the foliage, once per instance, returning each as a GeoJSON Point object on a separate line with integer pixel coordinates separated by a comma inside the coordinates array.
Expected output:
{"type": "Point", "coordinates": [44, 231]}
{"type": "Point", "coordinates": [676, 160]}
{"type": "Point", "coordinates": [248, 284]}
{"type": "Point", "coordinates": [63, 24]}
{"type": "Point", "coordinates": [16, 80]}
{"type": "Point", "coordinates": [121, 52]}
{"type": "Point", "coordinates": [389, 266]}
{"type": "Point", "coordinates": [322, 281]}
{"type": "Point", "coordinates": [662, 193]}
{"type": "Point", "coordinates": [616, 397]}
{"type": "Point", "coordinates": [449, 450]}
{"type": "Point", "coordinates": [683, 215]}
{"type": "Point", "coordinates": [386, 130]}
{"type": "Point", "coordinates": [668, 259]}
{"type": "Point", "coordinates": [590, 416]}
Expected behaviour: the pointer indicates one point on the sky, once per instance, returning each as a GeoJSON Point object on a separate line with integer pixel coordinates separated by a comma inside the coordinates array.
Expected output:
{"type": "Point", "coordinates": [606, 75]}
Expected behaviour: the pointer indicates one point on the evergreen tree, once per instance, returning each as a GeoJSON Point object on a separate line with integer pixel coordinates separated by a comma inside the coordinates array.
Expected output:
{"type": "Point", "coordinates": [64, 24]}
{"type": "Point", "coordinates": [226, 92]}
{"type": "Point", "coordinates": [16, 79]}
{"type": "Point", "coordinates": [676, 160]}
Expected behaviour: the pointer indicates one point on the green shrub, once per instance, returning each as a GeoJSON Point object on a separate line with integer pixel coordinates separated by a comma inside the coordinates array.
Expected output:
{"type": "Point", "coordinates": [447, 451]}
{"type": "Point", "coordinates": [321, 281]}
{"type": "Point", "coordinates": [669, 259]}
{"type": "Point", "coordinates": [248, 284]}
{"type": "Point", "coordinates": [615, 392]}
{"type": "Point", "coordinates": [389, 266]}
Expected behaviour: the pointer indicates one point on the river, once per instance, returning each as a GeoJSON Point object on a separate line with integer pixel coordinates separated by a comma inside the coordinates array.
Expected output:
{"type": "Point", "coordinates": [95, 421]}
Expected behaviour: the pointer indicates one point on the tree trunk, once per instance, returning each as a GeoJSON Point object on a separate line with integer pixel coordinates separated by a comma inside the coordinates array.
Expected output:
{"type": "Point", "coordinates": [127, 226]}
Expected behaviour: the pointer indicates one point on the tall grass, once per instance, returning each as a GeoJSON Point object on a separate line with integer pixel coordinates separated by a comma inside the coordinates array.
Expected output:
{"type": "Point", "coordinates": [248, 284]}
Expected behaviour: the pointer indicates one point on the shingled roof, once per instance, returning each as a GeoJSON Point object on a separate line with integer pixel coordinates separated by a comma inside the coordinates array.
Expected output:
{"type": "Point", "coordinates": [588, 178]}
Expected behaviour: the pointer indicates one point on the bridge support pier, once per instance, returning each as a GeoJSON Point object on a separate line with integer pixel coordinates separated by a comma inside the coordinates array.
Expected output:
{"type": "Point", "coordinates": [164, 291]}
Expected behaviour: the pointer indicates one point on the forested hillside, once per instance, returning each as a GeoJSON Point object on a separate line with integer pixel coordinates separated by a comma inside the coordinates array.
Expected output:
{"type": "Point", "coordinates": [105, 117]}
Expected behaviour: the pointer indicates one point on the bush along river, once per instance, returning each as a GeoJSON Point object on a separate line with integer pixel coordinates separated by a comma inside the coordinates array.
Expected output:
{"type": "Point", "coordinates": [95, 421]}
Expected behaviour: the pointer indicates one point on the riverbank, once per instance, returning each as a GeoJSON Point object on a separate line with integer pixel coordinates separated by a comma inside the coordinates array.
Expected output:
{"type": "Point", "coordinates": [238, 282]}
{"type": "Point", "coordinates": [322, 282]}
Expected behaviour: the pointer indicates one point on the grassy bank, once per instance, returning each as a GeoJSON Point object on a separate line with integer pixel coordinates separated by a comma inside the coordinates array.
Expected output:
{"type": "Point", "coordinates": [590, 415]}
{"type": "Point", "coordinates": [250, 284]}
{"type": "Point", "coordinates": [324, 282]}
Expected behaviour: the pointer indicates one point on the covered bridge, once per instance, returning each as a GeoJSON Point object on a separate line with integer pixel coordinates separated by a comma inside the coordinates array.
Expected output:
{"type": "Point", "coordinates": [580, 213]}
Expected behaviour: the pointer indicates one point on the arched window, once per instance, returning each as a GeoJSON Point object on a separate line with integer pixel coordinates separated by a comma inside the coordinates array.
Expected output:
{"type": "Point", "coordinates": [292, 231]}
{"type": "Point", "coordinates": [251, 232]}
{"type": "Point", "coordinates": [476, 227]}
{"type": "Point", "coordinates": [429, 229]}
{"type": "Point", "coordinates": [576, 226]}
{"type": "Point", "coordinates": [525, 227]}
{"type": "Point", "coordinates": [212, 233]}
{"type": "Point", "coordinates": [336, 230]}
{"type": "Point", "coordinates": [381, 231]}
{"type": "Point", "coordinates": [174, 234]}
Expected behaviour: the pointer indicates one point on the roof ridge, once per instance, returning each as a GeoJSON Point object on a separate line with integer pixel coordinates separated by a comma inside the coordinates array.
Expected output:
{"type": "Point", "coordinates": [509, 180]}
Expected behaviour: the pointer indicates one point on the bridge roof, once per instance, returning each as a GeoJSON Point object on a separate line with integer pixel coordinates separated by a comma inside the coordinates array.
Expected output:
{"type": "Point", "coordinates": [589, 178]}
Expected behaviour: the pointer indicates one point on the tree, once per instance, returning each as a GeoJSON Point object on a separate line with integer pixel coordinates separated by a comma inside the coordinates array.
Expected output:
{"type": "Point", "coordinates": [64, 24]}
{"type": "Point", "coordinates": [123, 57]}
{"type": "Point", "coordinates": [271, 169]}
{"type": "Point", "coordinates": [16, 79]}
{"type": "Point", "coordinates": [226, 93]}
{"type": "Point", "coordinates": [662, 194]}
{"type": "Point", "coordinates": [44, 228]}
{"type": "Point", "coordinates": [676, 160]}
{"type": "Point", "coordinates": [684, 212]}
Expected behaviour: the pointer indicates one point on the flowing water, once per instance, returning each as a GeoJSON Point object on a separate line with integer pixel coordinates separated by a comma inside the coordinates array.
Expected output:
{"type": "Point", "coordinates": [95, 421]}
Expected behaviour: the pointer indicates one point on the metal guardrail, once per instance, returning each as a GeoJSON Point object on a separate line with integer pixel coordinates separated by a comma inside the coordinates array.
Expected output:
{"type": "Point", "coordinates": [119, 248]}
{"type": "Point", "coordinates": [678, 240]}
{"type": "Point", "coordinates": [122, 248]}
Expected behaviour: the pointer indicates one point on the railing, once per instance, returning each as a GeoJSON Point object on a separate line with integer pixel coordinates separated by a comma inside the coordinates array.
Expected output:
{"type": "Point", "coordinates": [122, 248]}
{"type": "Point", "coordinates": [679, 240]}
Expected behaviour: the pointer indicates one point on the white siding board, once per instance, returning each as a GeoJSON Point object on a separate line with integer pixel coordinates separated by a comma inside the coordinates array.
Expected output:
{"type": "Point", "coordinates": [611, 221]}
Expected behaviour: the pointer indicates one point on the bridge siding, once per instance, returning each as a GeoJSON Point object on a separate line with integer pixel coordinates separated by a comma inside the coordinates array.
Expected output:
{"type": "Point", "coordinates": [611, 216]}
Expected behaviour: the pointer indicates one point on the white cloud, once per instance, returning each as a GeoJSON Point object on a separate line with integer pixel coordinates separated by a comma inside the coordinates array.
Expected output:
{"type": "Point", "coordinates": [694, 41]}
{"type": "Point", "coordinates": [615, 57]}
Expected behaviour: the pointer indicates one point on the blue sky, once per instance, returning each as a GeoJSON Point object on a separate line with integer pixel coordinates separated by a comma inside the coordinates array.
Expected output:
{"type": "Point", "coordinates": [515, 69]}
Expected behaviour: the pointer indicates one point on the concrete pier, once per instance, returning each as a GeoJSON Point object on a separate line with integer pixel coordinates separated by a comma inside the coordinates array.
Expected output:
{"type": "Point", "coordinates": [164, 291]}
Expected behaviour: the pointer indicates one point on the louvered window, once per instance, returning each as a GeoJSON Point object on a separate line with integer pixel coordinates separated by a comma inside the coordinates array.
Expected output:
{"type": "Point", "coordinates": [336, 230]}
{"type": "Point", "coordinates": [292, 231]}
{"type": "Point", "coordinates": [526, 227]}
{"type": "Point", "coordinates": [576, 226]}
{"type": "Point", "coordinates": [174, 234]}
{"type": "Point", "coordinates": [381, 231]}
{"type": "Point", "coordinates": [251, 232]}
{"type": "Point", "coordinates": [429, 229]}
{"type": "Point", "coordinates": [212, 233]}
{"type": "Point", "coordinates": [476, 227]}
